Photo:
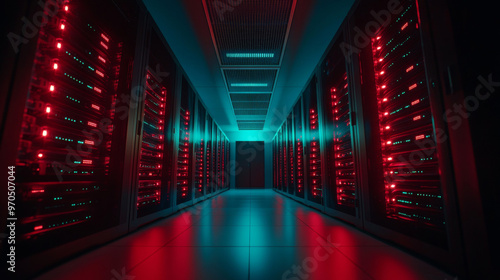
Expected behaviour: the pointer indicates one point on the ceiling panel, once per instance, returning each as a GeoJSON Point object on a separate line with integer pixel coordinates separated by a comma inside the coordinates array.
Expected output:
{"type": "Point", "coordinates": [250, 105]}
{"type": "Point", "coordinates": [242, 97]}
{"type": "Point", "coordinates": [251, 125]}
{"type": "Point", "coordinates": [250, 112]}
{"type": "Point", "coordinates": [251, 117]}
{"type": "Point", "coordinates": [250, 80]}
{"type": "Point", "coordinates": [249, 32]}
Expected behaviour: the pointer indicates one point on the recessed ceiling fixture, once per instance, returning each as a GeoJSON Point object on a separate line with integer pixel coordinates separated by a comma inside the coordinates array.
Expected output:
{"type": "Point", "coordinates": [250, 55]}
{"type": "Point", "coordinates": [249, 85]}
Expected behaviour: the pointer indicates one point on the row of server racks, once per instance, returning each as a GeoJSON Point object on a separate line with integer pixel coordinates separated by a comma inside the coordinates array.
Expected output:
{"type": "Point", "coordinates": [102, 131]}
{"type": "Point", "coordinates": [366, 143]}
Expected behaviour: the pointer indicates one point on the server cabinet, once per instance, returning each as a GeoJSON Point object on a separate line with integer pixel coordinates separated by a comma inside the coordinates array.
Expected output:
{"type": "Point", "coordinates": [217, 159]}
{"type": "Point", "coordinates": [62, 132]}
{"type": "Point", "coordinates": [284, 153]}
{"type": "Point", "coordinates": [184, 193]}
{"type": "Point", "coordinates": [314, 186]}
{"type": "Point", "coordinates": [291, 155]}
{"type": "Point", "coordinates": [213, 181]}
{"type": "Point", "coordinates": [220, 158]}
{"type": "Point", "coordinates": [209, 157]}
{"type": "Point", "coordinates": [298, 141]}
{"type": "Point", "coordinates": [156, 157]}
{"type": "Point", "coordinates": [281, 156]}
{"type": "Point", "coordinates": [225, 148]}
{"type": "Point", "coordinates": [199, 147]}
{"type": "Point", "coordinates": [275, 184]}
{"type": "Point", "coordinates": [341, 185]}
{"type": "Point", "coordinates": [410, 198]}
{"type": "Point", "coordinates": [228, 164]}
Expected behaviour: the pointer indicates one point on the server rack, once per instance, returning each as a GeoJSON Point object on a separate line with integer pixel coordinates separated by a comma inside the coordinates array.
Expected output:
{"type": "Point", "coordinates": [200, 148]}
{"type": "Point", "coordinates": [280, 163]}
{"type": "Point", "coordinates": [298, 141]}
{"type": "Point", "coordinates": [275, 184]}
{"type": "Point", "coordinates": [185, 151]}
{"type": "Point", "coordinates": [209, 157]}
{"type": "Point", "coordinates": [291, 156]}
{"type": "Point", "coordinates": [158, 99]}
{"type": "Point", "coordinates": [339, 135]}
{"type": "Point", "coordinates": [219, 160]}
{"type": "Point", "coordinates": [314, 184]}
{"type": "Point", "coordinates": [63, 125]}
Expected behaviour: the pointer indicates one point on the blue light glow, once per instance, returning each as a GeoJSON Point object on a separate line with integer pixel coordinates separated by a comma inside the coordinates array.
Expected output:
{"type": "Point", "coordinates": [249, 85]}
{"type": "Point", "coordinates": [250, 55]}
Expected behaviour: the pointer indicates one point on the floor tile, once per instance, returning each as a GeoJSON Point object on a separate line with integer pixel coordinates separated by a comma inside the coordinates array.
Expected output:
{"type": "Point", "coordinates": [157, 235]}
{"type": "Point", "coordinates": [344, 235]}
{"type": "Point", "coordinates": [194, 263]}
{"type": "Point", "coordinates": [312, 263]}
{"type": "Point", "coordinates": [103, 263]}
{"type": "Point", "coordinates": [224, 220]}
{"type": "Point", "coordinates": [213, 236]}
{"type": "Point", "coordinates": [390, 263]}
{"type": "Point", "coordinates": [284, 236]}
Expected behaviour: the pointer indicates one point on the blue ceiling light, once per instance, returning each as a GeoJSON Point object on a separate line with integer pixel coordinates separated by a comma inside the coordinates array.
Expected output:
{"type": "Point", "coordinates": [250, 55]}
{"type": "Point", "coordinates": [249, 85]}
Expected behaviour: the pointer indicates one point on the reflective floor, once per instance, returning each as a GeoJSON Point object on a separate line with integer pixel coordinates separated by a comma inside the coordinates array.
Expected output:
{"type": "Point", "coordinates": [247, 235]}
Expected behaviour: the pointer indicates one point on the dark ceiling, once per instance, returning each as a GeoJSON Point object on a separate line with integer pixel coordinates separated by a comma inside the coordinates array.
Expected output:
{"type": "Point", "coordinates": [247, 103]}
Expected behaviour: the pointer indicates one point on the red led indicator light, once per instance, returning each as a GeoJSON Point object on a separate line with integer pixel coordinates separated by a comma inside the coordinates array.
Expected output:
{"type": "Point", "coordinates": [104, 37]}
{"type": "Point", "coordinates": [38, 227]}
{"type": "Point", "coordinates": [415, 102]}
{"type": "Point", "coordinates": [404, 26]}
{"type": "Point", "coordinates": [412, 87]}
{"type": "Point", "coordinates": [409, 69]}
{"type": "Point", "coordinates": [47, 110]}
{"type": "Point", "coordinates": [44, 133]}
{"type": "Point", "coordinates": [87, 161]}
{"type": "Point", "coordinates": [40, 155]}
{"type": "Point", "coordinates": [420, 137]}
{"type": "Point", "coordinates": [92, 124]}
{"type": "Point", "coordinates": [96, 107]}
{"type": "Point", "coordinates": [104, 45]}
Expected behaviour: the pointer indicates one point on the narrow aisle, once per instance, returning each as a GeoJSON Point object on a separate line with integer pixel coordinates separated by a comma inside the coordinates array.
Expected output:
{"type": "Point", "coordinates": [246, 235]}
